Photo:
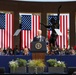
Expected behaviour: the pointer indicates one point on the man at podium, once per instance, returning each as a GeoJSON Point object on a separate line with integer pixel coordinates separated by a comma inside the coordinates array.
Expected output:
{"type": "Point", "coordinates": [39, 37]}
{"type": "Point", "coordinates": [38, 46]}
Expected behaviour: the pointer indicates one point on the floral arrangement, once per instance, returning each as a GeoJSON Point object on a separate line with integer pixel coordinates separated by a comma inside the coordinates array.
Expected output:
{"type": "Point", "coordinates": [60, 64]}
{"type": "Point", "coordinates": [52, 62]}
{"type": "Point", "coordinates": [14, 64]}
{"type": "Point", "coordinates": [36, 63]}
{"type": "Point", "coordinates": [21, 62]}
{"type": "Point", "coordinates": [55, 63]}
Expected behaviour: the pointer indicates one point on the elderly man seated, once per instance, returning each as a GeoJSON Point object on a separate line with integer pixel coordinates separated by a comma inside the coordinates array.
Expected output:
{"type": "Point", "coordinates": [26, 51]}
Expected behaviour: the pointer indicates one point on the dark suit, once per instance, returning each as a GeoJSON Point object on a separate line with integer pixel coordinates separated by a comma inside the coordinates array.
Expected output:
{"type": "Point", "coordinates": [41, 39]}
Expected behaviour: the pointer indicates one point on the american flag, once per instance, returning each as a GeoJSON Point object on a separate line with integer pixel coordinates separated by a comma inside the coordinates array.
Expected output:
{"type": "Point", "coordinates": [50, 17]}
{"type": "Point", "coordinates": [2, 21]}
{"type": "Point", "coordinates": [6, 35]}
{"type": "Point", "coordinates": [26, 22]}
{"type": "Point", "coordinates": [64, 27]}
{"type": "Point", "coordinates": [28, 35]}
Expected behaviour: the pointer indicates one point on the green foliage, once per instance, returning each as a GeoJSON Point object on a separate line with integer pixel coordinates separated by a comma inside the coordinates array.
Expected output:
{"type": "Point", "coordinates": [14, 64]}
{"type": "Point", "coordinates": [52, 62]}
{"type": "Point", "coordinates": [36, 63]}
{"type": "Point", "coordinates": [55, 63]}
{"type": "Point", "coordinates": [60, 64]}
{"type": "Point", "coordinates": [21, 62]}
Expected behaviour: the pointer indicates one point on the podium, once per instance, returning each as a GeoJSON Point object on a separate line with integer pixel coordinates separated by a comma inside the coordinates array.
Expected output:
{"type": "Point", "coordinates": [38, 50]}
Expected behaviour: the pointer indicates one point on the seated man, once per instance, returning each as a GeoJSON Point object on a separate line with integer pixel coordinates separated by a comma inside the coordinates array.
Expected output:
{"type": "Point", "coordinates": [26, 51]}
{"type": "Point", "coordinates": [39, 37]}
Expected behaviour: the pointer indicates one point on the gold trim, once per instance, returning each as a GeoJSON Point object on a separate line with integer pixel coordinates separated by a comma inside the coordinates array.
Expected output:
{"type": "Point", "coordinates": [38, 45]}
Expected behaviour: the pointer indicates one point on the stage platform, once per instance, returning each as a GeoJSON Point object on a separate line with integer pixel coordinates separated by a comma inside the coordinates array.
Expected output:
{"type": "Point", "coordinates": [33, 74]}
{"type": "Point", "coordinates": [70, 61]}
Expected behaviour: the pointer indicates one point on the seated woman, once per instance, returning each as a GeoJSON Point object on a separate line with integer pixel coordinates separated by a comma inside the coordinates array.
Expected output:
{"type": "Point", "coordinates": [26, 51]}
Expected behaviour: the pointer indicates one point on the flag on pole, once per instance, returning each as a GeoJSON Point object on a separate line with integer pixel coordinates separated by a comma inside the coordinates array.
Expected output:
{"type": "Point", "coordinates": [28, 35]}
{"type": "Point", "coordinates": [64, 27]}
{"type": "Point", "coordinates": [6, 35]}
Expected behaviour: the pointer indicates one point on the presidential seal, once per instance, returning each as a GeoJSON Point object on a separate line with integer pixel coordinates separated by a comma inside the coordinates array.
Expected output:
{"type": "Point", "coordinates": [38, 45]}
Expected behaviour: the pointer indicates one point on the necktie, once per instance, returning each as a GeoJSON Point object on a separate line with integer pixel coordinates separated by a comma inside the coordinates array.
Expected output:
{"type": "Point", "coordinates": [39, 39]}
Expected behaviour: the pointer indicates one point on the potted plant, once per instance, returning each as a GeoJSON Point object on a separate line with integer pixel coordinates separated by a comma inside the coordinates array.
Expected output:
{"type": "Point", "coordinates": [20, 65]}
{"type": "Point", "coordinates": [51, 62]}
{"type": "Point", "coordinates": [56, 66]}
{"type": "Point", "coordinates": [36, 66]}
{"type": "Point", "coordinates": [21, 62]}
{"type": "Point", "coordinates": [13, 66]}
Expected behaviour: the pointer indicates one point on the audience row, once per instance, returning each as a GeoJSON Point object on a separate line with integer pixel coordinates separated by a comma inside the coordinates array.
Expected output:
{"type": "Point", "coordinates": [15, 51]}
{"type": "Point", "coordinates": [26, 51]}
